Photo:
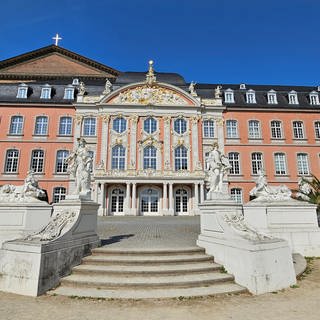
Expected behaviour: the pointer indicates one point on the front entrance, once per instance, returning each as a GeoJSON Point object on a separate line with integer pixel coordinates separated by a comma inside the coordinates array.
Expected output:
{"type": "Point", "coordinates": [117, 200]}
{"type": "Point", "coordinates": [181, 202]}
{"type": "Point", "coordinates": [149, 203]}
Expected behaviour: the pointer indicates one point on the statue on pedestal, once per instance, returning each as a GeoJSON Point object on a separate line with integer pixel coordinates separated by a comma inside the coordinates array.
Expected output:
{"type": "Point", "coordinates": [217, 165]}
{"type": "Point", "coordinates": [107, 87]}
{"type": "Point", "coordinates": [79, 165]}
{"type": "Point", "coordinates": [192, 89]}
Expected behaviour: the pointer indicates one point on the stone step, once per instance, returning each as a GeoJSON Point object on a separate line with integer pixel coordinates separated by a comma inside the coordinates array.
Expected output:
{"type": "Point", "coordinates": [157, 251]}
{"type": "Point", "coordinates": [149, 259]}
{"type": "Point", "coordinates": [147, 270]}
{"type": "Point", "coordinates": [108, 282]}
{"type": "Point", "coordinates": [209, 290]}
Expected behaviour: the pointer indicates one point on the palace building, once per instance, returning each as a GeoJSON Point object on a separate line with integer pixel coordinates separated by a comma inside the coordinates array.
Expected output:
{"type": "Point", "coordinates": [149, 132]}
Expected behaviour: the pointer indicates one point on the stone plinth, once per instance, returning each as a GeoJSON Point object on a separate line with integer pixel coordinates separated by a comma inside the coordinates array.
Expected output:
{"type": "Point", "coordinates": [260, 263]}
{"type": "Point", "coordinates": [19, 219]}
{"type": "Point", "coordinates": [292, 220]}
{"type": "Point", "coordinates": [33, 265]}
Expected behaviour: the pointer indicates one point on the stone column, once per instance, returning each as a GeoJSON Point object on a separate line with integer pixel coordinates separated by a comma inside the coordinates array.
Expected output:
{"type": "Point", "coordinates": [133, 142]}
{"type": "Point", "coordinates": [128, 198]}
{"type": "Point", "coordinates": [102, 200]}
{"type": "Point", "coordinates": [220, 133]}
{"type": "Point", "coordinates": [195, 144]}
{"type": "Point", "coordinates": [167, 143]}
{"type": "Point", "coordinates": [104, 139]}
{"type": "Point", "coordinates": [134, 199]}
{"type": "Point", "coordinates": [77, 128]}
{"type": "Point", "coordinates": [165, 199]}
{"type": "Point", "coordinates": [171, 209]}
{"type": "Point", "coordinates": [201, 192]}
{"type": "Point", "coordinates": [196, 199]}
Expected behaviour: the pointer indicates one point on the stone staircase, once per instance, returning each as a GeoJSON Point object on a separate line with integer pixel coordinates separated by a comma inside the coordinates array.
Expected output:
{"type": "Point", "coordinates": [139, 274]}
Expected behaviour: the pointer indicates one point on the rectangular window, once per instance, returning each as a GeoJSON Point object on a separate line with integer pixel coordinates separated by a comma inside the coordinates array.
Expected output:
{"type": "Point", "coordinates": [68, 93]}
{"type": "Point", "coordinates": [45, 93]}
{"type": "Point", "coordinates": [232, 128]}
{"type": "Point", "coordinates": [303, 164]}
{"type": "Point", "coordinates": [298, 130]}
{"type": "Point", "coordinates": [59, 194]}
{"type": "Point", "coordinates": [65, 126]}
{"type": "Point", "coordinates": [41, 127]}
{"type": "Point", "coordinates": [89, 127]}
{"type": "Point", "coordinates": [251, 98]}
{"type": "Point", "coordinates": [228, 96]}
{"type": "Point", "coordinates": [276, 130]}
{"type": "Point", "coordinates": [254, 129]}
{"type": "Point", "coordinates": [272, 98]}
{"type": "Point", "coordinates": [314, 99]}
{"type": "Point", "coordinates": [234, 160]}
{"type": "Point", "coordinates": [37, 161]}
{"type": "Point", "coordinates": [317, 129]}
{"type": "Point", "coordinates": [16, 125]}
{"type": "Point", "coordinates": [22, 92]}
{"type": "Point", "coordinates": [236, 195]}
{"type": "Point", "coordinates": [293, 99]}
{"type": "Point", "coordinates": [208, 129]}
{"type": "Point", "coordinates": [280, 163]}
{"type": "Point", "coordinates": [256, 162]}
{"type": "Point", "coordinates": [61, 164]}
{"type": "Point", "coordinates": [12, 157]}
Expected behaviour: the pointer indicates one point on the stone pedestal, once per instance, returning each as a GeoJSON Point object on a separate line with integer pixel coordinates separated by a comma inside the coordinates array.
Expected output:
{"type": "Point", "coordinates": [20, 219]}
{"type": "Point", "coordinates": [292, 220]}
{"type": "Point", "coordinates": [33, 265]}
{"type": "Point", "coordinates": [259, 263]}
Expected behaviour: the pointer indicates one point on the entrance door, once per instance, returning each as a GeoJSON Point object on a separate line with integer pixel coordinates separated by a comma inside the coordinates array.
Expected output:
{"type": "Point", "coordinates": [149, 203]}
{"type": "Point", "coordinates": [117, 199]}
{"type": "Point", "coordinates": [181, 202]}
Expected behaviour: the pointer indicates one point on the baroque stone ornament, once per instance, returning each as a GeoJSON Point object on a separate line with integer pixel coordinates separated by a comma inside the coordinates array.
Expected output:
{"type": "Point", "coordinates": [217, 166]}
{"type": "Point", "coordinates": [150, 77]}
{"type": "Point", "coordinates": [192, 89]}
{"type": "Point", "coordinates": [82, 88]}
{"type": "Point", "coordinates": [79, 165]}
{"type": "Point", "coordinates": [263, 192]}
{"type": "Point", "coordinates": [57, 226]}
{"type": "Point", "coordinates": [217, 92]}
{"type": "Point", "coordinates": [107, 87]}
{"type": "Point", "coordinates": [28, 192]}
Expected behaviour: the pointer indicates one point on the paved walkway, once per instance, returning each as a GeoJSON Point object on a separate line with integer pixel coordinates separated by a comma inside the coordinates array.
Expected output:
{"type": "Point", "coordinates": [149, 232]}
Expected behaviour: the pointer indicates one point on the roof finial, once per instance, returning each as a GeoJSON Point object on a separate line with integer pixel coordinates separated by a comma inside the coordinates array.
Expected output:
{"type": "Point", "coordinates": [150, 77]}
{"type": "Point", "coordinates": [56, 39]}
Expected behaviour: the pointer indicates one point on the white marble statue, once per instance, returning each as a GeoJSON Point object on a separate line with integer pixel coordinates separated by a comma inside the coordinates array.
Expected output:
{"type": "Point", "coordinates": [79, 165]}
{"type": "Point", "coordinates": [192, 89]}
{"type": "Point", "coordinates": [304, 189]}
{"type": "Point", "coordinates": [82, 88]}
{"type": "Point", "coordinates": [263, 192]}
{"type": "Point", "coordinates": [217, 92]}
{"type": "Point", "coordinates": [107, 87]}
{"type": "Point", "coordinates": [28, 192]}
{"type": "Point", "coordinates": [217, 165]}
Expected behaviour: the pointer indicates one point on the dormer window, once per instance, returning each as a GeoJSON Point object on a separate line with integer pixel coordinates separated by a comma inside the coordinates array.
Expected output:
{"type": "Point", "coordinates": [45, 92]}
{"type": "Point", "coordinates": [229, 96]}
{"type": "Point", "coordinates": [314, 98]}
{"type": "Point", "coordinates": [272, 97]}
{"type": "Point", "coordinates": [242, 86]}
{"type": "Point", "coordinates": [293, 97]}
{"type": "Point", "coordinates": [75, 82]}
{"type": "Point", "coordinates": [251, 96]}
{"type": "Point", "coordinates": [69, 93]}
{"type": "Point", "coordinates": [22, 91]}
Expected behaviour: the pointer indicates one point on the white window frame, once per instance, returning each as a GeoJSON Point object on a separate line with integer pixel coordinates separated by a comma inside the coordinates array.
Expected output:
{"type": "Point", "coordinates": [37, 161]}
{"type": "Point", "coordinates": [119, 124]}
{"type": "Point", "coordinates": [254, 129]}
{"type": "Point", "coordinates": [150, 157]}
{"type": "Point", "coordinates": [293, 97]}
{"type": "Point", "coordinates": [236, 195]}
{"type": "Point", "coordinates": [41, 125]}
{"type": "Point", "coordinates": [314, 98]}
{"type": "Point", "coordinates": [16, 127]}
{"type": "Point", "coordinates": [61, 164]}
{"type": "Point", "coordinates": [89, 127]}
{"type": "Point", "coordinates": [46, 92]}
{"type": "Point", "coordinates": [272, 97]}
{"type": "Point", "coordinates": [150, 125]}
{"type": "Point", "coordinates": [65, 129]}
{"type": "Point", "coordinates": [229, 96]}
{"type": "Point", "coordinates": [276, 132]}
{"type": "Point", "coordinates": [12, 161]}
{"type": "Point", "coordinates": [232, 129]}
{"type": "Point", "coordinates": [22, 92]}
{"type": "Point", "coordinates": [234, 160]}
{"type": "Point", "coordinates": [317, 129]}
{"type": "Point", "coordinates": [59, 193]}
{"type": "Point", "coordinates": [256, 162]}
{"type": "Point", "coordinates": [118, 157]}
{"type": "Point", "coordinates": [280, 164]}
{"type": "Point", "coordinates": [69, 93]}
{"type": "Point", "coordinates": [208, 128]}
{"type": "Point", "coordinates": [298, 129]}
{"type": "Point", "coordinates": [251, 96]}
{"type": "Point", "coordinates": [181, 160]}
{"type": "Point", "coordinates": [303, 167]}
{"type": "Point", "coordinates": [180, 126]}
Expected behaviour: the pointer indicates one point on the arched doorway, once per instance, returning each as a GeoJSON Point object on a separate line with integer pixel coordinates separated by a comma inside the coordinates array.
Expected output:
{"type": "Point", "coordinates": [149, 202]}
{"type": "Point", "coordinates": [181, 199]}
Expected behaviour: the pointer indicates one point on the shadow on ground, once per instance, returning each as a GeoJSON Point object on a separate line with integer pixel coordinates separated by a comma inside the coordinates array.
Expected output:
{"type": "Point", "coordinates": [115, 239]}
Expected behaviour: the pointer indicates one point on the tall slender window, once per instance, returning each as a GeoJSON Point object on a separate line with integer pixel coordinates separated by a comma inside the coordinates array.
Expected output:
{"type": "Point", "coordinates": [118, 157]}
{"type": "Point", "coordinates": [181, 158]}
{"type": "Point", "coordinates": [65, 126]}
{"type": "Point", "coordinates": [12, 158]}
{"type": "Point", "coordinates": [280, 163]}
{"type": "Point", "coordinates": [150, 125]}
{"type": "Point", "coordinates": [59, 193]}
{"type": "Point", "coordinates": [229, 96]}
{"type": "Point", "coordinates": [317, 129]}
{"type": "Point", "coordinates": [89, 127]}
{"type": "Point", "coordinates": [22, 91]}
{"type": "Point", "coordinates": [293, 97]}
{"type": "Point", "coordinates": [208, 129]}
{"type": "Point", "coordinates": [303, 164]}
{"type": "Point", "coordinates": [46, 92]}
{"type": "Point", "coordinates": [232, 128]}
{"type": "Point", "coordinates": [236, 194]}
{"type": "Point", "coordinates": [69, 93]}
{"type": "Point", "coordinates": [180, 126]}
{"type": "Point", "coordinates": [234, 159]}
{"type": "Point", "coordinates": [16, 125]}
{"type": "Point", "coordinates": [61, 164]}
{"type": "Point", "coordinates": [37, 161]}
{"type": "Point", "coordinates": [314, 98]}
{"type": "Point", "coordinates": [298, 130]}
{"type": "Point", "coordinates": [254, 129]}
{"type": "Point", "coordinates": [276, 129]}
{"type": "Point", "coordinates": [272, 97]}
{"type": "Point", "coordinates": [256, 162]}
{"type": "Point", "coordinates": [251, 96]}
{"type": "Point", "coordinates": [119, 124]}
{"type": "Point", "coordinates": [41, 127]}
{"type": "Point", "coordinates": [150, 158]}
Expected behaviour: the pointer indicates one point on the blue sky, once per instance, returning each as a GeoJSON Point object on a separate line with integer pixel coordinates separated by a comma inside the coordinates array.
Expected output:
{"type": "Point", "coordinates": [253, 42]}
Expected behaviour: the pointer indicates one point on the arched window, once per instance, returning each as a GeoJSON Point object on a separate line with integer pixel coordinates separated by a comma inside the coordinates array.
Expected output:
{"type": "Point", "coordinates": [37, 161]}
{"type": "Point", "coordinates": [254, 129]}
{"type": "Point", "coordinates": [11, 164]}
{"type": "Point", "coordinates": [65, 126]}
{"type": "Point", "coordinates": [180, 126]}
{"type": "Point", "coordinates": [150, 158]}
{"type": "Point", "coordinates": [234, 159]}
{"type": "Point", "coordinates": [59, 193]}
{"type": "Point", "coordinates": [150, 125]}
{"type": "Point", "coordinates": [41, 127]}
{"type": "Point", "coordinates": [119, 124]}
{"type": "Point", "coordinates": [236, 194]}
{"type": "Point", "coordinates": [181, 158]}
{"type": "Point", "coordinates": [61, 164]}
{"type": "Point", "coordinates": [118, 157]}
{"type": "Point", "coordinates": [208, 129]}
{"type": "Point", "coordinates": [16, 125]}
{"type": "Point", "coordinates": [276, 129]}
